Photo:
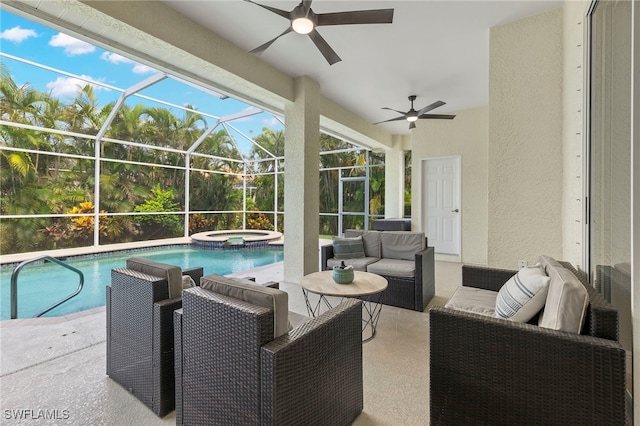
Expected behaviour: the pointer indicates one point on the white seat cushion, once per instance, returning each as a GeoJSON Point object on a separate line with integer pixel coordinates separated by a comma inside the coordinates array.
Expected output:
{"type": "Point", "coordinates": [476, 300]}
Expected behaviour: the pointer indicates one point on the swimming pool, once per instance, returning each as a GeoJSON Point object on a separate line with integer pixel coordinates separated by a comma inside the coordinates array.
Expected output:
{"type": "Point", "coordinates": [40, 285]}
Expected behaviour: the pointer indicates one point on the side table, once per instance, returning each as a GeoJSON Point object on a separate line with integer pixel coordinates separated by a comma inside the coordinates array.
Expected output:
{"type": "Point", "coordinates": [364, 284]}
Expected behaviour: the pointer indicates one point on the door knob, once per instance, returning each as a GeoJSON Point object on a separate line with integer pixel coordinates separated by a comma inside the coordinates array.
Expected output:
{"type": "Point", "coordinates": [455, 211]}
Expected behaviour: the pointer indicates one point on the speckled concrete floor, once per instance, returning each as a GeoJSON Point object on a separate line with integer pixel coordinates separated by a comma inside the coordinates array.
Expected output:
{"type": "Point", "coordinates": [53, 372]}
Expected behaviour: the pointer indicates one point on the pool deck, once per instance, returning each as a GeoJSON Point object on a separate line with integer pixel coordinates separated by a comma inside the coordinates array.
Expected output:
{"type": "Point", "coordinates": [59, 365]}
{"type": "Point", "coordinates": [21, 257]}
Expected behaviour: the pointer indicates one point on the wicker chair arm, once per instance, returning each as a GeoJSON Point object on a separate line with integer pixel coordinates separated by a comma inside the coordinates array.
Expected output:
{"type": "Point", "coordinates": [486, 278]}
{"type": "Point", "coordinates": [315, 370]}
{"type": "Point", "coordinates": [326, 253]}
{"type": "Point", "coordinates": [425, 286]}
{"type": "Point", "coordinates": [511, 372]}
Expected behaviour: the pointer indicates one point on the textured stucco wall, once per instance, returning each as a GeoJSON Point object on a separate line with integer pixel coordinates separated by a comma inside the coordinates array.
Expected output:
{"type": "Point", "coordinates": [302, 194]}
{"type": "Point", "coordinates": [467, 136]}
{"type": "Point", "coordinates": [525, 140]}
{"type": "Point", "coordinates": [573, 133]}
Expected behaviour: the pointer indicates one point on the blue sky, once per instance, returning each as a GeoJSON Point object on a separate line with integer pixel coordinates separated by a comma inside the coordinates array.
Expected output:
{"type": "Point", "coordinates": [34, 42]}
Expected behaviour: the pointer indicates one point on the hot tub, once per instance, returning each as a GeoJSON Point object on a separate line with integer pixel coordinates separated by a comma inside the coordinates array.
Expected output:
{"type": "Point", "coordinates": [241, 238]}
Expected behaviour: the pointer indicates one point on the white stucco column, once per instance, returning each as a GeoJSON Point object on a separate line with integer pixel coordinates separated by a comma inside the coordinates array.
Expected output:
{"type": "Point", "coordinates": [394, 179]}
{"type": "Point", "coordinates": [301, 181]}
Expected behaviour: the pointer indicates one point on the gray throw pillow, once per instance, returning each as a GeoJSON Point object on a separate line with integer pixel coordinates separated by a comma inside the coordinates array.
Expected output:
{"type": "Point", "coordinates": [348, 248]}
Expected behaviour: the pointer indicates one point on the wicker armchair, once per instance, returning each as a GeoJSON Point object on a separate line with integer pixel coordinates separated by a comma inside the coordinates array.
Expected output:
{"type": "Point", "coordinates": [489, 371]}
{"type": "Point", "coordinates": [231, 371]}
{"type": "Point", "coordinates": [140, 334]}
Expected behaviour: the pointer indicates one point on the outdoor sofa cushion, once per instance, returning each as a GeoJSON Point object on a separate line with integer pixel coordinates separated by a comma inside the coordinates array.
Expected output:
{"type": "Point", "coordinates": [187, 282]}
{"type": "Point", "coordinates": [359, 264]}
{"type": "Point", "coordinates": [472, 299]}
{"type": "Point", "coordinates": [393, 267]}
{"type": "Point", "coordinates": [401, 244]}
{"type": "Point", "coordinates": [370, 241]}
{"type": "Point", "coordinates": [249, 291]}
{"type": "Point", "coordinates": [173, 274]}
{"type": "Point", "coordinates": [567, 300]}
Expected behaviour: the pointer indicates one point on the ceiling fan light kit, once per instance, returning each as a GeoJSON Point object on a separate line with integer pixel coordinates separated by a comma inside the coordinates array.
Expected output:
{"type": "Point", "coordinates": [302, 25]}
{"type": "Point", "coordinates": [303, 20]}
{"type": "Point", "coordinates": [412, 115]}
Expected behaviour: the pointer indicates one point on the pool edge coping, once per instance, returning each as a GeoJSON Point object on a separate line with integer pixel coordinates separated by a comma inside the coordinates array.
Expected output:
{"type": "Point", "coordinates": [30, 322]}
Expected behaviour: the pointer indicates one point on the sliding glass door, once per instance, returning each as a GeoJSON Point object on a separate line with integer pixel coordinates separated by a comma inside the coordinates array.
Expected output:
{"type": "Point", "coordinates": [609, 142]}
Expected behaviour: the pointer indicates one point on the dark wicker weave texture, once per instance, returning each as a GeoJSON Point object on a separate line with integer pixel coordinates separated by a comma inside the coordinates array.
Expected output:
{"type": "Point", "coordinates": [489, 371]}
{"type": "Point", "coordinates": [403, 292]}
{"type": "Point", "coordinates": [230, 370]}
{"type": "Point", "coordinates": [140, 336]}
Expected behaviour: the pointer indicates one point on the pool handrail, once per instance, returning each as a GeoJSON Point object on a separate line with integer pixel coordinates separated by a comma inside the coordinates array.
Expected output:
{"type": "Point", "coordinates": [14, 285]}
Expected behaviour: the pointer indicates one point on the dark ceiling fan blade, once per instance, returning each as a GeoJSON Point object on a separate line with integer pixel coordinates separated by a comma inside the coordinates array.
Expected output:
{"type": "Point", "coordinates": [378, 16]}
{"type": "Point", "coordinates": [329, 54]}
{"type": "Point", "coordinates": [392, 119]}
{"type": "Point", "coordinates": [412, 125]}
{"type": "Point", "coordinates": [430, 107]}
{"type": "Point", "coordinates": [280, 12]}
{"type": "Point", "coordinates": [437, 116]}
{"type": "Point", "coordinates": [391, 109]}
{"type": "Point", "coordinates": [258, 50]}
{"type": "Point", "coordinates": [306, 5]}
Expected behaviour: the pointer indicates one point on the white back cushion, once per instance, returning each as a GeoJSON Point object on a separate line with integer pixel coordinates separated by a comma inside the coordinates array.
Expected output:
{"type": "Point", "coordinates": [567, 301]}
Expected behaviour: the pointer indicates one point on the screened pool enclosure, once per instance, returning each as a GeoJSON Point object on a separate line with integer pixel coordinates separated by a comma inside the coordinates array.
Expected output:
{"type": "Point", "coordinates": [93, 158]}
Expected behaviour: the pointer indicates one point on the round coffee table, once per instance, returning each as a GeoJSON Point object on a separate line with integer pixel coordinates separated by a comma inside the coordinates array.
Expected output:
{"type": "Point", "coordinates": [365, 285]}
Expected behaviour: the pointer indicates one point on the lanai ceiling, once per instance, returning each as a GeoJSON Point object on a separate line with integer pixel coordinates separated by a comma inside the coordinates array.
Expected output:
{"type": "Point", "coordinates": [437, 50]}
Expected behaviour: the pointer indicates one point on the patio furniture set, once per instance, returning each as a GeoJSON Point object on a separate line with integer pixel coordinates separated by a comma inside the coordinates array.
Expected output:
{"type": "Point", "coordinates": [403, 258]}
{"type": "Point", "coordinates": [228, 351]}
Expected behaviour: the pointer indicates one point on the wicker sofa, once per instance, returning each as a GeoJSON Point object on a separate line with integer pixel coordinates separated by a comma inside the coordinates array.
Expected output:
{"type": "Point", "coordinates": [231, 369]}
{"type": "Point", "coordinates": [402, 257]}
{"type": "Point", "coordinates": [139, 310]}
{"type": "Point", "coordinates": [493, 371]}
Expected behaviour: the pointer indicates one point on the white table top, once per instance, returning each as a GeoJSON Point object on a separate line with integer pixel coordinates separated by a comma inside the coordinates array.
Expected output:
{"type": "Point", "coordinates": [364, 284]}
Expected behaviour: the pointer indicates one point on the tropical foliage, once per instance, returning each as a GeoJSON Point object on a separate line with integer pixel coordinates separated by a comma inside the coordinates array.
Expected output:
{"type": "Point", "coordinates": [52, 173]}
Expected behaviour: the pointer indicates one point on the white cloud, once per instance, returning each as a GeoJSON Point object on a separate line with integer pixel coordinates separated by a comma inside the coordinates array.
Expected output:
{"type": "Point", "coordinates": [17, 34]}
{"type": "Point", "coordinates": [271, 122]}
{"type": "Point", "coordinates": [142, 69]}
{"type": "Point", "coordinates": [69, 87]}
{"type": "Point", "coordinates": [72, 46]}
{"type": "Point", "coordinates": [114, 58]}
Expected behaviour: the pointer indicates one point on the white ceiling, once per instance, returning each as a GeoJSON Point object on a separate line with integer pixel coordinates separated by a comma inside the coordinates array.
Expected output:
{"type": "Point", "coordinates": [437, 50]}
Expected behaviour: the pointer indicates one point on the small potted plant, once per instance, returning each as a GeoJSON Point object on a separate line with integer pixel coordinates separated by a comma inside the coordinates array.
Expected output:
{"type": "Point", "coordinates": [343, 274]}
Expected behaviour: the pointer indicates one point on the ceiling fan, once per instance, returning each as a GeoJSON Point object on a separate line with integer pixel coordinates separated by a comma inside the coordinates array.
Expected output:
{"type": "Point", "coordinates": [412, 115]}
{"type": "Point", "coordinates": [304, 21]}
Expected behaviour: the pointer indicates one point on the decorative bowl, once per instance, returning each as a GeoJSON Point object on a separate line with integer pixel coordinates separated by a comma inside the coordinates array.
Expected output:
{"type": "Point", "coordinates": [342, 276]}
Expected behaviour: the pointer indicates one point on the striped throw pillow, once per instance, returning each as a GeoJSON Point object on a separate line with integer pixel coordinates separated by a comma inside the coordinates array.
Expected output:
{"type": "Point", "coordinates": [348, 248]}
{"type": "Point", "coordinates": [524, 295]}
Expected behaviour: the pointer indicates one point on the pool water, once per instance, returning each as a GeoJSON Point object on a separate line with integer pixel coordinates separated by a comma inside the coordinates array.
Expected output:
{"type": "Point", "coordinates": [40, 285]}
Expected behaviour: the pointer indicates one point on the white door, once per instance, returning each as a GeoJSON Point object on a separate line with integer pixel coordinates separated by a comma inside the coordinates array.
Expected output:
{"type": "Point", "coordinates": [441, 203]}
